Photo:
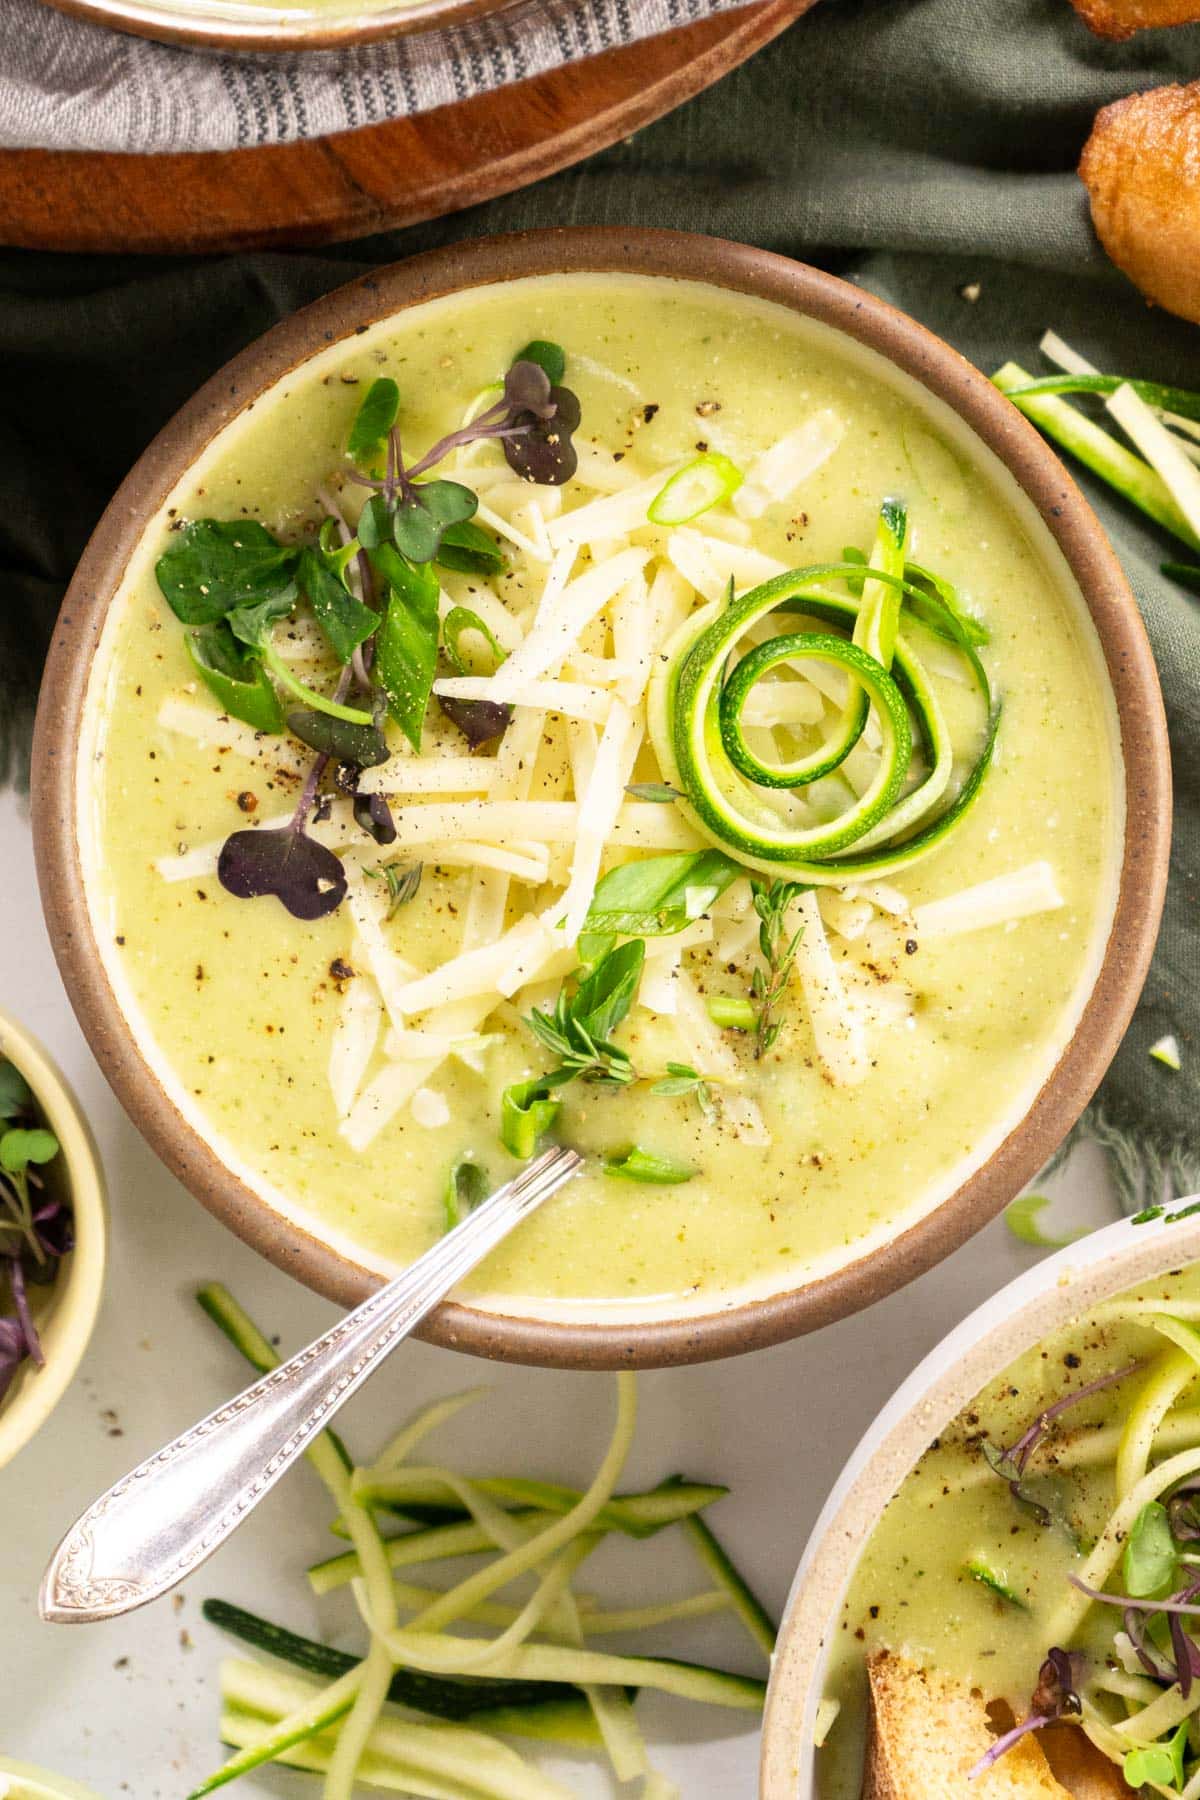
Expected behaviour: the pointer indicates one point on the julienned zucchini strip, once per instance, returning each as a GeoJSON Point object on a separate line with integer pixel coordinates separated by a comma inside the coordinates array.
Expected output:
{"type": "Point", "coordinates": [559, 1691]}
{"type": "Point", "coordinates": [1097, 449]}
{"type": "Point", "coordinates": [744, 1601]}
{"type": "Point", "coordinates": [455, 1697]}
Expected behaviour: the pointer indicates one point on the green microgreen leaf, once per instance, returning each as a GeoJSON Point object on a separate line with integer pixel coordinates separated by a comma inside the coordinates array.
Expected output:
{"type": "Point", "coordinates": [658, 895]}
{"type": "Point", "coordinates": [364, 745]}
{"type": "Point", "coordinates": [461, 619]}
{"type": "Point", "coordinates": [466, 1186]}
{"type": "Point", "coordinates": [216, 565]}
{"type": "Point", "coordinates": [424, 513]}
{"type": "Point", "coordinates": [20, 1146]}
{"type": "Point", "coordinates": [1150, 1558]}
{"type": "Point", "coordinates": [1021, 1218]}
{"type": "Point", "coordinates": [1159, 1764]}
{"type": "Point", "coordinates": [550, 358]}
{"type": "Point", "coordinates": [344, 620]}
{"type": "Point", "coordinates": [647, 1166]}
{"type": "Point", "coordinates": [528, 1109]}
{"type": "Point", "coordinates": [468, 549]}
{"type": "Point", "coordinates": [253, 624]}
{"type": "Point", "coordinates": [235, 676]}
{"type": "Point", "coordinates": [606, 993]}
{"type": "Point", "coordinates": [16, 1095]}
{"type": "Point", "coordinates": [406, 646]}
{"type": "Point", "coordinates": [375, 523]}
{"type": "Point", "coordinates": [374, 419]}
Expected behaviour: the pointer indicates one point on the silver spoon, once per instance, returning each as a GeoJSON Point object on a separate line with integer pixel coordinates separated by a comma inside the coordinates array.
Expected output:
{"type": "Point", "coordinates": [165, 1518]}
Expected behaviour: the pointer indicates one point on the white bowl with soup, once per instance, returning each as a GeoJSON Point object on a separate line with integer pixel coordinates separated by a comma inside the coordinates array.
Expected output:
{"type": "Point", "coordinates": [763, 787]}
{"type": "Point", "coordinates": [1024, 1500]}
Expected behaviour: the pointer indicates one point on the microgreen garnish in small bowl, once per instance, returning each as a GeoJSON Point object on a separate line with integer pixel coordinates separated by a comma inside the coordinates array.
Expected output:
{"type": "Point", "coordinates": [374, 595]}
{"type": "Point", "coordinates": [36, 1228]}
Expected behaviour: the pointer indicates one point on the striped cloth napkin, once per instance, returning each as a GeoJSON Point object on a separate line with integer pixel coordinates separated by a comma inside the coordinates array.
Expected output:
{"type": "Point", "coordinates": [66, 84]}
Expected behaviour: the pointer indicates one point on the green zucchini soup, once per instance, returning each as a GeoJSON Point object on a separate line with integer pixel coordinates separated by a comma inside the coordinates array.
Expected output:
{"type": "Point", "coordinates": [1038, 1570]}
{"type": "Point", "coordinates": [609, 708]}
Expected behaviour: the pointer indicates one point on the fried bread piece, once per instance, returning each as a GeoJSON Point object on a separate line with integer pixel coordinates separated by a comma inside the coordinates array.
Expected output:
{"type": "Point", "coordinates": [927, 1732]}
{"type": "Point", "coordinates": [1121, 18]}
{"type": "Point", "coordinates": [1141, 168]}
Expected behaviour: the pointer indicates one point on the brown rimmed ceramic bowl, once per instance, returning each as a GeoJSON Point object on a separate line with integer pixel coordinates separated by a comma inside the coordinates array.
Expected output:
{"type": "Point", "coordinates": [299, 25]}
{"type": "Point", "coordinates": [998, 434]}
{"type": "Point", "coordinates": [1034, 1306]}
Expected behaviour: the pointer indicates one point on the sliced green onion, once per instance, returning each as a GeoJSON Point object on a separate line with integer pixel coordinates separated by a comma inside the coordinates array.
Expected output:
{"type": "Point", "coordinates": [1166, 1051]}
{"type": "Point", "coordinates": [731, 1013]}
{"type": "Point", "coordinates": [466, 1186]}
{"type": "Point", "coordinates": [459, 620]}
{"type": "Point", "coordinates": [1021, 1218]}
{"type": "Point", "coordinates": [995, 1582]}
{"type": "Point", "coordinates": [694, 489]}
{"type": "Point", "coordinates": [648, 1166]}
{"type": "Point", "coordinates": [527, 1110]}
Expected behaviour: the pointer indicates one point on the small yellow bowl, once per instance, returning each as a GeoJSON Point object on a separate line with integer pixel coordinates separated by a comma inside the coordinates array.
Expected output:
{"type": "Point", "coordinates": [18, 1781]}
{"type": "Point", "coordinates": [67, 1312]}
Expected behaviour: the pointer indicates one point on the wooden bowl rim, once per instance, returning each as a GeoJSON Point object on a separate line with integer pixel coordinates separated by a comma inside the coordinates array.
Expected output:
{"type": "Point", "coordinates": [745, 1325]}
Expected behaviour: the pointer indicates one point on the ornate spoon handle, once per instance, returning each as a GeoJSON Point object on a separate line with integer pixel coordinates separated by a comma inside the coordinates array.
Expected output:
{"type": "Point", "coordinates": [164, 1518]}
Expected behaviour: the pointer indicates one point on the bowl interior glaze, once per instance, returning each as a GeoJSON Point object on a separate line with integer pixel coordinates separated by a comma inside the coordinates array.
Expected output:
{"type": "Point", "coordinates": [993, 425]}
{"type": "Point", "coordinates": [296, 25]}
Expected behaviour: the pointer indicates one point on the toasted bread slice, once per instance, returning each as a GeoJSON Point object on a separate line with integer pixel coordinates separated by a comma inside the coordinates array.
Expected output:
{"type": "Point", "coordinates": [927, 1732]}
{"type": "Point", "coordinates": [1121, 18]}
{"type": "Point", "coordinates": [1141, 168]}
{"type": "Point", "coordinates": [1085, 1772]}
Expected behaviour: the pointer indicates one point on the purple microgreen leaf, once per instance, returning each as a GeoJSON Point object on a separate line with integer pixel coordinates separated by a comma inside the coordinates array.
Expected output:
{"type": "Point", "coordinates": [1055, 1697]}
{"type": "Point", "coordinates": [528, 388]}
{"type": "Point", "coordinates": [16, 1281]}
{"type": "Point", "coordinates": [1183, 1511]}
{"type": "Point", "coordinates": [363, 745]}
{"type": "Point", "coordinates": [541, 450]}
{"type": "Point", "coordinates": [373, 814]}
{"type": "Point", "coordinates": [1010, 1463]}
{"type": "Point", "coordinates": [303, 875]}
{"type": "Point", "coordinates": [480, 721]}
{"type": "Point", "coordinates": [13, 1351]}
{"type": "Point", "coordinates": [1155, 1665]}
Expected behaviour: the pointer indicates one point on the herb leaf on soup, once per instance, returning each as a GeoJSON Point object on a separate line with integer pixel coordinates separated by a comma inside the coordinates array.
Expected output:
{"type": "Point", "coordinates": [216, 565]}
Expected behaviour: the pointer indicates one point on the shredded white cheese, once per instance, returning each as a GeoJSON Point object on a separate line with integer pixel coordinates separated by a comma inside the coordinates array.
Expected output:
{"type": "Point", "coordinates": [837, 1029]}
{"type": "Point", "coordinates": [779, 471]}
{"type": "Point", "coordinates": [1032, 889]}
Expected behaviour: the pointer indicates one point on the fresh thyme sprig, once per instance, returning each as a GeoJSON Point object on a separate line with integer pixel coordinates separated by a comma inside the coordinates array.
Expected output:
{"type": "Point", "coordinates": [681, 1079]}
{"type": "Point", "coordinates": [768, 984]}
{"type": "Point", "coordinates": [579, 1030]}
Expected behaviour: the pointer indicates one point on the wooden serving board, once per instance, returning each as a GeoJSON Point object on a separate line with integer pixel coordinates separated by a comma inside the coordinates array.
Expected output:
{"type": "Point", "coordinates": [381, 177]}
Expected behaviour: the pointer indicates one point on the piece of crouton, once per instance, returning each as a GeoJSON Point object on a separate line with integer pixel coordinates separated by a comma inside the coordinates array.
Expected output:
{"type": "Point", "coordinates": [1121, 18]}
{"type": "Point", "coordinates": [927, 1732]}
{"type": "Point", "coordinates": [1085, 1772]}
{"type": "Point", "coordinates": [1141, 168]}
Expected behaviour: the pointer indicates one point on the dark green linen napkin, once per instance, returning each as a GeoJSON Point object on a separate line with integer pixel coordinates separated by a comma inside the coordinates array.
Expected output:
{"type": "Point", "coordinates": [918, 147]}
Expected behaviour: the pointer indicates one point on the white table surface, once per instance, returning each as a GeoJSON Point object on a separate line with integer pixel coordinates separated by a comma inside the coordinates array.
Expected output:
{"type": "Point", "coordinates": [130, 1707]}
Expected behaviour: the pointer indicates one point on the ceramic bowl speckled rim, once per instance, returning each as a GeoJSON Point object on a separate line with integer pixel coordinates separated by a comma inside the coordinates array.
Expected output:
{"type": "Point", "coordinates": [65, 1326]}
{"type": "Point", "coordinates": [238, 25]}
{"type": "Point", "coordinates": [996, 422]}
{"type": "Point", "coordinates": [1023, 1313]}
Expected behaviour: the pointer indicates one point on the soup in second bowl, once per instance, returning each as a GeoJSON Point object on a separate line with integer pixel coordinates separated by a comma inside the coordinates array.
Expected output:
{"type": "Point", "coordinates": [1025, 1617]}
{"type": "Point", "coordinates": [611, 707]}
